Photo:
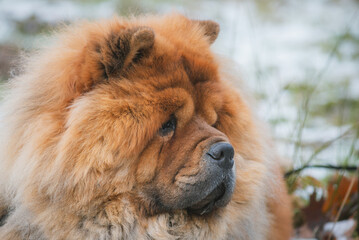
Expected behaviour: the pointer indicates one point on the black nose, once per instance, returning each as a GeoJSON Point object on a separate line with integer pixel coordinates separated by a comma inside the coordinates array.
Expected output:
{"type": "Point", "coordinates": [222, 153]}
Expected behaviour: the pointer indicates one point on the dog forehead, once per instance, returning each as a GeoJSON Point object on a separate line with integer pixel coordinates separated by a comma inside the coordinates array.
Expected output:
{"type": "Point", "coordinates": [173, 65]}
{"type": "Point", "coordinates": [175, 68]}
{"type": "Point", "coordinates": [200, 69]}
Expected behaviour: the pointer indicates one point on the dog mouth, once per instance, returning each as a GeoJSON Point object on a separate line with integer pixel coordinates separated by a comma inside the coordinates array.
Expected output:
{"type": "Point", "coordinates": [209, 202]}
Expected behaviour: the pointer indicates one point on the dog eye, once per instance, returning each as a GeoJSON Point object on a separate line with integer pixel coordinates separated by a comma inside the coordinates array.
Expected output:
{"type": "Point", "coordinates": [168, 126]}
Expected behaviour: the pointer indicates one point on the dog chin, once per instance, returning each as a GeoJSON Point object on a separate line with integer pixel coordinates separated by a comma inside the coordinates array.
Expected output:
{"type": "Point", "coordinates": [219, 197]}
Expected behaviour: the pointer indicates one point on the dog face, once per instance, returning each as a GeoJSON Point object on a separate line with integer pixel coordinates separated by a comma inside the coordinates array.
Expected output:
{"type": "Point", "coordinates": [148, 118]}
{"type": "Point", "coordinates": [152, 126]}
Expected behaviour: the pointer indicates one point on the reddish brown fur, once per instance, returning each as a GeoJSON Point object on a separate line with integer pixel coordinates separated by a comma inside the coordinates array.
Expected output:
{"type": "Point", "coordinates": [82, 157]}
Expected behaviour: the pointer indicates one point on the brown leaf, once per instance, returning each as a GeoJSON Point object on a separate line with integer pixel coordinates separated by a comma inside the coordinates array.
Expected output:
{"type": "Point", "coordinates": [313, 214]}
{"type": "Point", "coordinates": [336, 194]}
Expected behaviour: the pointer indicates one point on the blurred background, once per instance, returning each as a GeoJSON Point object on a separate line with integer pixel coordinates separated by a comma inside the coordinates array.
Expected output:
{"type": "Point", "coordinates": [299, 57]}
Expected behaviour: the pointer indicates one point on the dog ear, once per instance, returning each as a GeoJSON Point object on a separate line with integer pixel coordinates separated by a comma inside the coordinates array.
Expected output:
{"type": "Point", "coordinates": [122, 49]}
{"type": "Point", "coordinates": [106, 57]}
{"type": "Point", "coordinates": [211, 29]}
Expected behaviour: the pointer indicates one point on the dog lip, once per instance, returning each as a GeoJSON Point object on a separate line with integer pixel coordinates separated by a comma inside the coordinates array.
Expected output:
{"type": "Point", "coordinates": [219, 197]}
{"type": "Point", "coordinates": [209, 202]}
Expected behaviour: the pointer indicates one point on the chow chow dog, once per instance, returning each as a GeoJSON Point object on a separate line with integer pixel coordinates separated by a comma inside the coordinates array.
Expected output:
{"type": "Point", "coordinates": [131, 129]}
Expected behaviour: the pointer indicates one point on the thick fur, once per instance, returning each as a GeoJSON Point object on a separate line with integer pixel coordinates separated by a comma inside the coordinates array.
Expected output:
{"type": "Point", "coordinates": [80, 153]}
